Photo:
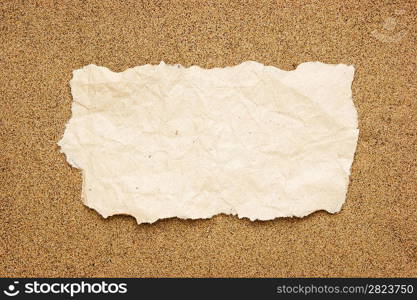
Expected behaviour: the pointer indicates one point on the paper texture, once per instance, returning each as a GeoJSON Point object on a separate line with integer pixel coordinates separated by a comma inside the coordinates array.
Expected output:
{"type": "Point", "coordinates": [161, 141]}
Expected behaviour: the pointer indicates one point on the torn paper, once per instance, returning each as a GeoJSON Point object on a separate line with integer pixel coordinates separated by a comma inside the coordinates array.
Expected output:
{"type": "Point", "coordinates": [161, 141]}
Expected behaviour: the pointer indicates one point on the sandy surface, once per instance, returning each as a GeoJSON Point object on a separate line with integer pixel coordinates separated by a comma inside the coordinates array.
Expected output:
{"type": "Point", "coordinates": [45, 230]}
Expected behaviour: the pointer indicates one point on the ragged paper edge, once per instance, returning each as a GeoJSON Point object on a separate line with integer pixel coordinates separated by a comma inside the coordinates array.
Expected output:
{"type": "Point", "coordinates": [303, 66]}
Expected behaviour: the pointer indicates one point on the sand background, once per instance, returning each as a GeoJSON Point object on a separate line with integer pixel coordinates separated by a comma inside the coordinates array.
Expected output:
{"type": "Point", "coordinates": [45, 230]}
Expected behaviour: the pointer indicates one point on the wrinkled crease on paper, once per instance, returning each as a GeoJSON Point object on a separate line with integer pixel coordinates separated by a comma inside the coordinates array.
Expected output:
{"type": "Point", "coordinates": [162, 141]}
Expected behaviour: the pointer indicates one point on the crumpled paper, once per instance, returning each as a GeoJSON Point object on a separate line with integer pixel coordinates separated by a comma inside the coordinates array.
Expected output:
{"type": "Point", "coordinates": [161, 141]}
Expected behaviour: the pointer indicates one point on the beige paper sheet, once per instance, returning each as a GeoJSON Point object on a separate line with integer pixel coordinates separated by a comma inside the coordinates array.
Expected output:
{"type": "Point", "coordinates": [250, 140]}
